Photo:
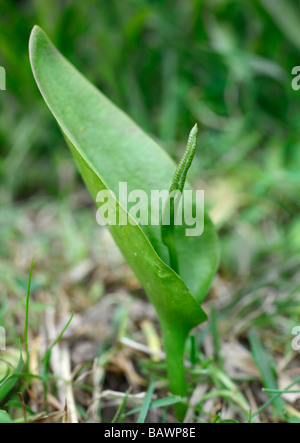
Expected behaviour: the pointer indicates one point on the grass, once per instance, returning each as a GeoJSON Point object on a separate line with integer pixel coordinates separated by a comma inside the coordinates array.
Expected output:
{"type": "Point", "coordinates": [212, 376]}
{"type": "Point", "coordinates": [27, 318]}
{"type": "Point", "coordinates": [226, 65]}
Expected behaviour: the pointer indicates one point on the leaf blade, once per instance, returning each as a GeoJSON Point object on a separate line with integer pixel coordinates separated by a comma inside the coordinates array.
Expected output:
{"type": "Point", "coordinates": [100, 133]}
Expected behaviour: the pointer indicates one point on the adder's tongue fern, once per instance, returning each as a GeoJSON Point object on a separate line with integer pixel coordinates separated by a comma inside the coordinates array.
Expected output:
{"type": "Point", "coordinates": [178, 182]}
{"type": "Point", "coordinates": [91, 125]}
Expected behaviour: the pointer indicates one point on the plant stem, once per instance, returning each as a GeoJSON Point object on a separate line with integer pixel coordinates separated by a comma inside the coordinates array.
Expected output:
{"type": "Point", "coordinates": [174, 343]}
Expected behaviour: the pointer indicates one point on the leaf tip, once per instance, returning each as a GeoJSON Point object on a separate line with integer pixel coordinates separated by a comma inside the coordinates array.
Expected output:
{"type": "Point", "coordinates": [35, 30]}
{"type": "Point", "coordinates": [37, 35]}
{"type": "Point", "coordinates": [194, 131]}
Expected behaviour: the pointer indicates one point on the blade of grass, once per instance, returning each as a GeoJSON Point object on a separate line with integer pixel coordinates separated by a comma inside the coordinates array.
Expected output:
{"type": "Point", "coordinates": [216, 337]}
{"type": "Point", "coordinates": [119, 413]}
{"type": "Point", "coordinates": [46, 360]}
{"type": "Point", "coordinates": [276, 396]}
{"type": "Point", "coordinates": [147, 402]}
{"type": "Point", "coordinates": [266, 368]}
{"type": "Point", "coordinates": [7, 385]}
{"type": "Point", "coordinates": [286, 16]}
{"type": "Point", "coordinates": [161, 403]}
{"type": "Point", "coordinates": [282, 391]}
{"type": "Point", "coordinates": [48, 352]}
{"type": "Point", "coordinates": [27, 317]}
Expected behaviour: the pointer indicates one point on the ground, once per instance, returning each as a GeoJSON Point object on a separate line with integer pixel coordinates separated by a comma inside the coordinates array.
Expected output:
{"type": "Point", "coordinates": [226, 65]}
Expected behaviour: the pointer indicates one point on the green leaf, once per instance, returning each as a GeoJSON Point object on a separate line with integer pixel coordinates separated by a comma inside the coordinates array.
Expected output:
{"type": "Point", "coordinates": [7, 385]}
{"type": "Point", "coordinates": [266, 368]}
{"type": "Point", "coordinates": [5, 418]}
{"type": "Point", "coordinates": [109, 148]}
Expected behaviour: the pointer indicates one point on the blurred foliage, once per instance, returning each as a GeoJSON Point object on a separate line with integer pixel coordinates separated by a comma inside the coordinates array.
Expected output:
{"type": "Point", "coordinates": [223, 63]}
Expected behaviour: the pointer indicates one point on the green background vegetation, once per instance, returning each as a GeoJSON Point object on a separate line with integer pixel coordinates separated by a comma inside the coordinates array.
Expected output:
{"type": "Point", "coordinates": [224, 64]}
